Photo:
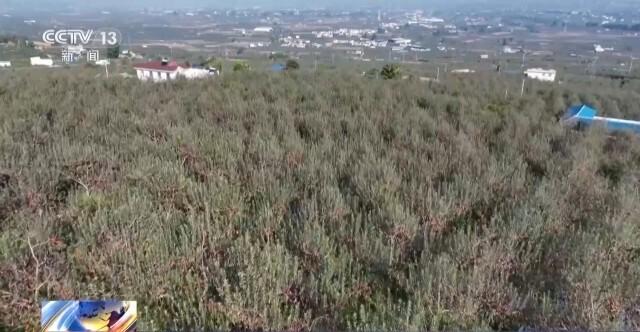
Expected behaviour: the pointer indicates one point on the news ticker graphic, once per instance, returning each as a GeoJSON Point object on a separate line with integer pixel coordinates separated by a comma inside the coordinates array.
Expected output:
{"type": "Point", "coordinates": [88, 315]}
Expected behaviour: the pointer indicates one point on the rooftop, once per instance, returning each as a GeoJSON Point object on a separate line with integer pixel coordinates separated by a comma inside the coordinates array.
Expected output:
{"type": "Point", "coordinates": [158, 65]}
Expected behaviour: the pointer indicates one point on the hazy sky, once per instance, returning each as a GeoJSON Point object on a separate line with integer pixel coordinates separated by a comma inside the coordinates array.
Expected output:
{"type": "Point", "coordinates": [234, 3]}
{"type": "Point", "coordinates": [270, 4]}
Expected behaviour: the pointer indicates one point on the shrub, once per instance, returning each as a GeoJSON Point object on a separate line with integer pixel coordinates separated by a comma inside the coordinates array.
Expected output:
{"type": "Point", "coordinates": [241, 66]}
{"type": "Point", "coordinates": [292, 65]}
{"type": "Point", "coordinates": [390, 72]}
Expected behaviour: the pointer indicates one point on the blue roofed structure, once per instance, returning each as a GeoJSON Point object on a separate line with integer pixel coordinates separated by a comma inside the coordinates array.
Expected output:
{"type": "Point", "coordinates": [584, 115]}
{"type": "Point", "coordinates": [277, 67]}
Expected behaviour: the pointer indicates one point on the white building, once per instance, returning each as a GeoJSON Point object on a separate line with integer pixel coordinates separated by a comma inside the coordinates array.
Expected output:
{"type": "Point", "coordinates": [401, 41]}
{"type": "Point", "coordinates": [463, 71]}
{"type": "Point", "coordinates": [38, 61]}
{"type": "Point", "coordinates": [196, 73]}
{"type": "Point", "coordinates": [103, 62]}
{"type": "Point", "coordinates": [541, 74]}
{"type": "Point", "coordinates": [599, 49]}
{"type": "Point", "coordinates": [510, 50]}
{"type": "Point", "coordinates": [5, 64]}
{"type": "Point", "coordinates": [164, 70]}
{"type": "Point", "coordinates": [263, 29]}
{"type": "Point", "coordinates": [157, 70]}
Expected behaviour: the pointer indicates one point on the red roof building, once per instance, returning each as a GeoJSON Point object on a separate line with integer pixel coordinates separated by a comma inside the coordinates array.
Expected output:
{"type": "Point", "coordinates": [161, 70]}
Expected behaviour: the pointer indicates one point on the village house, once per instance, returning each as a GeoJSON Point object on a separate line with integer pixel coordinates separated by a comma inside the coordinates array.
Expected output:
{"type": "Point", "coordinates": [263, 29]}
{"type": "Point", "coordinates": [38, 61]}
{"type": "Point", "coordinates": [463, 71]}
{"type": "Point", "coordinates": [5, 64]}
{"type": "Point", "coordinates": [541, 74]}
{"type": "Point", "coordinates": [164, 70]}
{"type": "Point", "coordinates": [156, 71]}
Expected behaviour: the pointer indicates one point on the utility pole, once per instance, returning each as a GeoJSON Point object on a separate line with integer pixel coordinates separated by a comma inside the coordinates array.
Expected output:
{"type": "Point", "coordinates": [630, 66]}
{"type": "Point", "coordinates": [522, 91]}
{"type": "Point", "coordinates": [106, 69]}
{"type": "Point", "coordinates": [593, 65]}
{"type": "Point", "coordinates": [438, 75]}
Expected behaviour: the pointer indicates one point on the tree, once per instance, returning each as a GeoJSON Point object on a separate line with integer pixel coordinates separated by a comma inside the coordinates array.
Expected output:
{"type": "Point", "coordinates": [292, 65]}
{"type": "Point", "coordinates": [113, 52]}
{"type": "Point", "coordinates": [241, 66]}
{"type": "Point", "coordinates": [390, 71]}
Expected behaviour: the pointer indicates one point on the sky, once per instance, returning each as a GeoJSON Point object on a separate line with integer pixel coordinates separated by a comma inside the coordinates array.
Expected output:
{"type": "Point", "coordinates": [302, 4]}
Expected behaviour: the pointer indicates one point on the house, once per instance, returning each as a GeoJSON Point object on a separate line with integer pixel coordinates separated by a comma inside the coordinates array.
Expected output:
{"type": "Point", "coordinates": [584, 116]}
{"type": "Point", "coordinates": [420, 49]}
{"type": "Point", "coordinates": [599, 49]}
{"type": "Point", "coordinates": [5, 64]}
{"type": "Point", "coordinates": [165, 70]}
{"type": "Point", "coordinates": [40, 46]}
{"type": "Point", "coordinates": [541, 74]}
{"type": "Point", "coordinates": [103, 62]}
{"type": "Point", "coordinates": [263, 29]}
{"type": "Point", "coordinates": [130, 54]}
{"type": "Point", "coordinates": [197, 73]}
{"type": "Point", "coordinates": [38, 61]}
{"type": "Point", "coordinates": [463, 71]}
{"type": "Point", "coordinates": [510, 50]}
{"type": "Point", "coordinates": [156, 71]}
{"type": "Point", "coordinates": [404, 42]}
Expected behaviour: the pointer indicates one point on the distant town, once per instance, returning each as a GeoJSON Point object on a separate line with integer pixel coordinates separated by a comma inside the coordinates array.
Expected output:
{"type": "Point", "coordinates": [541, 44]}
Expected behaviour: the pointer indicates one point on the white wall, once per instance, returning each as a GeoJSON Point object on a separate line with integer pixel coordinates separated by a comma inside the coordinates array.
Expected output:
{"type": "Point", "coordinates": [5, 63]}
{"type": "Point", "coordinates": [36, 61]}
{"type": "Point", "coordinates": [156, 76]}
{"type": "Point", "coordinates": [546, 76]}
{"type": "Point", "coordinates": [195, 73]}
{"type": "Point", "coordinates": [140, 74]}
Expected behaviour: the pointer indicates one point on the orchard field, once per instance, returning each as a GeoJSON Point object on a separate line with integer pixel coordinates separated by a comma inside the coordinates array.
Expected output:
{"type": "Point", "coordinates": [319, 201]}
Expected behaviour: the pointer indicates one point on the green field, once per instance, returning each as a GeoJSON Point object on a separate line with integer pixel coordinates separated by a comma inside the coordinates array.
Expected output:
{"type": "Point", "coordinates": [319, 201]}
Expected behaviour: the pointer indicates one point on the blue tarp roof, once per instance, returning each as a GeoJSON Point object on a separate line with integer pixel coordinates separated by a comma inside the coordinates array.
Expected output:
{"type": "Point", "coordinates": [587, 115]}
{"type": "Point", "coordinates": [277, 67]}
